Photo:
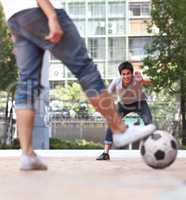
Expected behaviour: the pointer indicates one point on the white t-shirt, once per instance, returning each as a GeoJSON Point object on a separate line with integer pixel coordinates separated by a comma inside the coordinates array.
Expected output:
{"type": "Point", "coordinates": [132, 94]}
{"type": "Point", "coordinates": [12, 7]}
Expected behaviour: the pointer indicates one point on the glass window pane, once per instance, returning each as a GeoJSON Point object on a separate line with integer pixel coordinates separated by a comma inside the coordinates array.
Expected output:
{"type": "Point", "coordinates": [96, 48]}
{"type": "Point", "coordinates": [96, 27]}
{"type": "Point", "coordinates": [141, 9]}
{"type": "Point", "coordinates": [116, 49]}
{"type": "Point", "coordinates": [76, 9]}
{"type": "Point", "coordinates": [138, 26]}
{"type": "Point", "coordinates": [137, 47]}
{"type": "Point", "coordinates": [101, 68]}
{"type": "Point", "coordinates": [134, 9]}
{"type": "Point", "coordinates": [116, 9]}
{"type": "Point", "coordinates": [96, 9]}
{"type": "Point", "coordinates": [145, 9]}
{"type": "Point", "coordinates": [112, 70]}
{"type": "Point", "coordinates": [116, 27]}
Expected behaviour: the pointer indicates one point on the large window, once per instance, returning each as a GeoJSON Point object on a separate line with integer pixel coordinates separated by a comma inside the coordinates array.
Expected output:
{"type": "Point", "coordinates": [139, 9]}
{"type": "Point", "coordinates": [101, 68]}
{"type": "Point", "coordinates": [76, 10]}
{"type": "Point", "coordinates": [96, 27]}
{"type": "Point", "coordinates": [116, 49]}
{"type": "Point", "coordinates": [137, 46]}
{"type": "Point", "coordinates": [96, 47]}
{"type": "Point", "coordinates": [116, 27]}
{"type": "Point", "coordinates": [112, 70]}
{"type": "Point", "coordinates": [116, 9]}
{"type": "Point", "coordinates": [96, 10]}
{"type": "Point", "coordinates": [138, 26]}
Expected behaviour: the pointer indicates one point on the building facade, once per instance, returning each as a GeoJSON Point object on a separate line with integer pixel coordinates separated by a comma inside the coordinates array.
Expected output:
{"type": "Point", "coordinates": [114, 31]}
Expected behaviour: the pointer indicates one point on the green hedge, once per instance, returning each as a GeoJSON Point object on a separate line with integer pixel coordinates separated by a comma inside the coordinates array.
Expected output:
{"type": "Point", "coordinates": [60, 144]}
{"type": "Point", "coordinates": [73, 144]}
{"type": "Point", "coordinates": [15, 145]}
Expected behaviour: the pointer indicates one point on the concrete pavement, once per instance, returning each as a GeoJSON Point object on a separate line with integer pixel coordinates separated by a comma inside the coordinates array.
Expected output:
{"type": "Point", "coordinates": [76, 175]}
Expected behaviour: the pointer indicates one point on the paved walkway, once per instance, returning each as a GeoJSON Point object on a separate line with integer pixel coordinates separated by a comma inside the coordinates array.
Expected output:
{"type": "Point", "coordinates": [76, 175]}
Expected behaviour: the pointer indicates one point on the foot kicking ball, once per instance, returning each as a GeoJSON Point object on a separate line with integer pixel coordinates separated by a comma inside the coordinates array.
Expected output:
{"type": "Point", "coordinates": [159, 150]}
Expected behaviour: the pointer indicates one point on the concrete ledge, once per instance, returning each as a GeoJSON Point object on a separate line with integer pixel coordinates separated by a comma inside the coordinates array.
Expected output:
{"type": "Point", "coordinates": [82, 153]}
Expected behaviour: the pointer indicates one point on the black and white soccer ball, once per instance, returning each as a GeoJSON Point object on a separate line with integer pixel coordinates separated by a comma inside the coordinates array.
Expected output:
{"type": "Point", "coordinates": [159, 150]}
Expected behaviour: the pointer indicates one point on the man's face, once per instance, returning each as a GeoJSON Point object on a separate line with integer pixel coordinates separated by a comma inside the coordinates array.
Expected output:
{"type": "Point", "coordinates": [126, 75]}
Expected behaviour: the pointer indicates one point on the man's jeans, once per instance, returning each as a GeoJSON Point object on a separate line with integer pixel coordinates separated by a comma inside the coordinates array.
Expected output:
{"type": "Point", "coordinates": [141, 108]}
{"type": "Point", "coordinates": [30, 27]}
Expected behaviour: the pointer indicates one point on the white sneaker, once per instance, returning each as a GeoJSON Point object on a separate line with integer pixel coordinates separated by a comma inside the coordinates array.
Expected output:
{"type": "Point", "coordinates": [133, 134]}
{"type": "Point", "coordinates": [32, 163]}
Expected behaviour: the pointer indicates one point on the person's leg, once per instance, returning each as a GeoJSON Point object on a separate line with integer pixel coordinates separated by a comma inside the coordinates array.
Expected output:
{"type": "Point", "coordinates": [122, 111]}
{"type": "Point", "coordinates": [145, 113]}
{"type": "Point", "coordinates": [24, 122]}
{"type": "Point", "coordinates": [107, 146]}
{"type": "Point", "coordinates": [29, 61]}
{"type": "Point", "coordinates": [108, 140]}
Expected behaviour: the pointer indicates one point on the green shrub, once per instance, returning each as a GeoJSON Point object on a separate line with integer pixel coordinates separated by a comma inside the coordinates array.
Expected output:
{"type": "Point", "coordinates": [73, 144]}
{"type": "Point", "coordinates": [183, 147]}
{"type": "Point", "coordinates": [59, 144]}
{"type": "Point", "coordinates": [15, 145]}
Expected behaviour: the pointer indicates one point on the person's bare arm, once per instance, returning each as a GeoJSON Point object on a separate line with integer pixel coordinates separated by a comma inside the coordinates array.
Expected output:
{"type": "Point", "coordinates": [55, 30]}
{"type": "Point", "coordinates": [146, 82]}
{"type": "Point", "coordinates": [138, 77]}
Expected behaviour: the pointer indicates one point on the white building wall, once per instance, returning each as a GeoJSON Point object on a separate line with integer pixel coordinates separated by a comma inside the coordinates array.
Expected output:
{"type": "Point", "coordinates": [114, 31]}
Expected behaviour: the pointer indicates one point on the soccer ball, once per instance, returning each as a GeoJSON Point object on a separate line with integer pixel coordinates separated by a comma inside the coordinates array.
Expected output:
{"type": "Point", "coordinates": [159, 150]}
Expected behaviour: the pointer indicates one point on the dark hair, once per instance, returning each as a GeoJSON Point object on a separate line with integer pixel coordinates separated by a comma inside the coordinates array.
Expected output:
{"type": "Point", "coordinates": [125, 65]}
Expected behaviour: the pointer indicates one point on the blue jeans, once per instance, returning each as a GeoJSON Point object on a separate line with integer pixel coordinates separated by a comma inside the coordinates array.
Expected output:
{"type": "Point", "coordinates": [141, 108]}
{"type": "Point", "coordinates": [29, 28]}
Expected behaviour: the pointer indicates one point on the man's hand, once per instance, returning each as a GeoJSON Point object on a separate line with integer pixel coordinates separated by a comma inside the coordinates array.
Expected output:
{"type": "Point", "coordinates": [138, 76]}
{"type": "Point", "coordinates": [55, 31]}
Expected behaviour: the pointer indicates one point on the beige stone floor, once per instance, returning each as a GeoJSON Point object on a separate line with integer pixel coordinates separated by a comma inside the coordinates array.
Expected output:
{"type": "Point", "coordinates": [84, 178]}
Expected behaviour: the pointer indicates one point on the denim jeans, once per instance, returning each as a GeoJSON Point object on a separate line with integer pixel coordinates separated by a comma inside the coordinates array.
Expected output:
{"type": "Point", "coordinates": [141, 108]}
{"type": "Point", "coordinates": [30, 27]}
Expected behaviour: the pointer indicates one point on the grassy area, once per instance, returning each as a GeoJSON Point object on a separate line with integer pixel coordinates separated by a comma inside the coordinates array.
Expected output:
{"type": "Point", "coordinates": [183, 147]}
{"type": "Point", "coordinates": [73, 144]}
{"type": "Point", "coordinates": [60, 144]}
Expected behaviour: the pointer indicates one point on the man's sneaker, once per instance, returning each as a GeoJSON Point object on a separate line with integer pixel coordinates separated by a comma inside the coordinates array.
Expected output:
{"type": "Point", "coordinates": [133, 134]}
{"type": "Point", "coordinates": [103, 156]}
{"type": "Point", "coordinates": [32, 163]}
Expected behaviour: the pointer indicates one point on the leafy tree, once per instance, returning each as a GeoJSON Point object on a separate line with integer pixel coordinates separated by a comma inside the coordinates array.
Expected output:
{"type": "Point", "coordinates": [8, 73]}
{"type": "Point", "coordinates": [8, 70]}
{"type": "Point", "coordinates": [72, 92]}
{"type": "Point", "coordinates": [73, 98]}
{"type": "Point", "coordinates": [164, 108]}
{"type": "Point", "coordinates": [166, 61]}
